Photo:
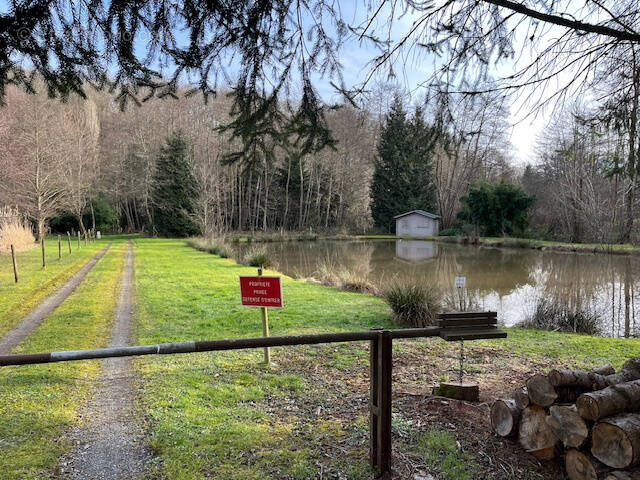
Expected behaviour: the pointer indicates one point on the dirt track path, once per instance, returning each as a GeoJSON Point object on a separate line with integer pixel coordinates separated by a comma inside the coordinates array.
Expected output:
{"type": "Point", "coordinates": [110, 443]}
{"type": "Point", "coordinates": [25, 326]}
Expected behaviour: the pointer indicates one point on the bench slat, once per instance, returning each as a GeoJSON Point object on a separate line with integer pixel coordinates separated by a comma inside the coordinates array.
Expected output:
{"type": "Point", "coordinates": [463, 334]}
{"type": "Point", "coordinates": [452, 315]}
{"type": "Point", "coordinates": [467, 322]}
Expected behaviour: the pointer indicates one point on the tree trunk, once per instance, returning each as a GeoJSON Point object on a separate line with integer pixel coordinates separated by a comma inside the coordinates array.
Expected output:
{"type": "Point", "coordinates": [504, 417]}
{"type": "Point", "coordinates": [630, 371]}
{"type": "Point", "coordinates": [535, 436]}
{"type": "Point", "coordinates": [620, 398]}
{"type": "Point", "coordinates": [540, 390]}
{"type": "Point", "coordinates": [81, 224]}
{"type": "Point", "coordinates": [578, 378]}
{"type": "Point", "coordinates": [581, 466]}
{"type": "Point", "coordinates": [616, 441]}
{"type": "Point", "coordinates": [568, 425]}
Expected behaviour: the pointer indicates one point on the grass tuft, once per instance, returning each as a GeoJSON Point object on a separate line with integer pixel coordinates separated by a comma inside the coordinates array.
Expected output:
{"type": "Point", "coordinates": [413, 304]}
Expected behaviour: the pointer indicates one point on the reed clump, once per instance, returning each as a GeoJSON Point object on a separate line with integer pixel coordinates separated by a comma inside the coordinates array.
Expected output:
{"type": "Point", "coordinates": [257, 257]}
{"type": "Point", "coordinates": [413, 304]}
{"type": "Point", "coordinates": [557, 316]}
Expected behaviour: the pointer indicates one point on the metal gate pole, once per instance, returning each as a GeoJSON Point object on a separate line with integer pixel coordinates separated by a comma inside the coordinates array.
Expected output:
{"type": "Point", "coordinates": [381, 365]}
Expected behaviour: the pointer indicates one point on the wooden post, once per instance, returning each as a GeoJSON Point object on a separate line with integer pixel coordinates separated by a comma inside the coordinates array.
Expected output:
{"type": "Point", "coordinates": [69, 242]}
{"type": "Point", "coordinates": [59, 247]}
{"type": "Point", "coordinates": [373, 402]}
{"type": "Point", "coordinates": [44, 262]}
{"type": "Point", "coordinates": [15, 263]}
{"type": "Point", "coordinates": [78, 240]}
{"type": "Point", "coordinates": [265, 328]}
{"type": "Point", "coordinates": [85, 238]}
{"type": "Point", "coordinates": [381, 365]}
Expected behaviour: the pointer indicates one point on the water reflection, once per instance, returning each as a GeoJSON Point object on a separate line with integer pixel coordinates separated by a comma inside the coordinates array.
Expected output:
{"type": "Point", "coordinates": [415, 251]}
{"type": "Point", "coordinates": [510, 281]}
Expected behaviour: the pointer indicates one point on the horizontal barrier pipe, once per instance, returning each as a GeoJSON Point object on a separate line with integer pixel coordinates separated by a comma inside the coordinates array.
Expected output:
{"type": "Point", "coordinates": [212, 345]}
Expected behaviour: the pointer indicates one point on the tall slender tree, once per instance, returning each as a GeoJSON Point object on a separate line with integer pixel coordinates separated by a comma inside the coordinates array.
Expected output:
{"type": "Point", "coordinates": [175, 192]}
{"type": "Point", "coordinates": [402, 179]}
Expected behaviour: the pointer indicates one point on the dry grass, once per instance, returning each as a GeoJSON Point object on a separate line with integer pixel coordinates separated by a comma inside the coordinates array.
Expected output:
{"type": "Point", "coordinates": [14, 230]}
{"type": "Point", "coordinates": [332, 274]}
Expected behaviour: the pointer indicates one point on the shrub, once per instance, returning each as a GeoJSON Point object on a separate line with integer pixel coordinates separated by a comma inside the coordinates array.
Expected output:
{"type": "Point", "coordinates": [558, 316]}
{"type": "Point", "coordinates": [413, 304]}
{"type": "Point", "coordinates": [257, 257]}
{"type": "Point", "coordinates": [448, 232]}
{"type": "Point", "coordinates": [14, 230]}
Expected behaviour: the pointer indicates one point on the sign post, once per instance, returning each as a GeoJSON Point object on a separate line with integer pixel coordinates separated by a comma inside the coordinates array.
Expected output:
{"type": "Point", "coordinates": [261, 291]}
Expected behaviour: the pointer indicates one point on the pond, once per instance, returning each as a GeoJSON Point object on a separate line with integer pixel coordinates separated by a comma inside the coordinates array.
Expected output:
{"type": "Point", "coordinates": [512, 282]}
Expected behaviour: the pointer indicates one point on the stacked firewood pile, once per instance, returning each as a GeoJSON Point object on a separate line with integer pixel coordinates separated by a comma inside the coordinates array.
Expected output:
{"type": "Point", "coordinates": [590, 417]}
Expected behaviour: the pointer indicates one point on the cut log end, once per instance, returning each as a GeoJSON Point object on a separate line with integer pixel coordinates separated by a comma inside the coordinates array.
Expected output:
{"type": "Point", "coordinates": [534, 434]}
{"type": "Point", "coordinates": [587, 407]}
{"type": "Point", "coordinates": [613, 441]}
{"type": "Point", "coordinates": [567, 425]}
{"type": "Point", "coordinates": [504, 417]}
{"type": "Point", "coordinates": [580, 466]}
{"type": "Point", "coordinates": [540, 390]}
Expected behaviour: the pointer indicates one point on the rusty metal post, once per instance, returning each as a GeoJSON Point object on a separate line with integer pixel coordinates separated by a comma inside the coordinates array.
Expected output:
{"type": "Point", "coordinates": [381, 365]}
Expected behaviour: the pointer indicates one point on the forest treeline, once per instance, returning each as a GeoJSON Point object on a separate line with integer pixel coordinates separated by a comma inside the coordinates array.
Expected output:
{"type": "Point", "coordinates": [87, 163]}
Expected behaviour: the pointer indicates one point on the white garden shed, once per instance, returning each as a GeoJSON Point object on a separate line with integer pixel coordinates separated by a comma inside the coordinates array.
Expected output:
{"type": "Point", "coordinates": [418, 223]}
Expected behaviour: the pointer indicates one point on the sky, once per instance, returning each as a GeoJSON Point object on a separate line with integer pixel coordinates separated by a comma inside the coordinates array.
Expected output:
{"type": "Point", "coordinates": [526, 125]}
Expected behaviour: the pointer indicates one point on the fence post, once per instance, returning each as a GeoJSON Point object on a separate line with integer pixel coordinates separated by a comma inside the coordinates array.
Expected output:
{"type": "Point", "coordinates": [15, 263]}
{"type": "Point", "coordinates": [69, 242]}
{"type": "Point", "coordinates": [85, 238]}
{"type": "Point", "coordinates": [381, 366]}
{"type": "Point", "coordinates": [265, 328]}
{"type": "Point", "coordinates": [44, 262]}
{"type": "Point", "coordinates": [78, 239]}
{"type": "Point", "coordinates": [373, 402]}
{"type": "Point", "coordinates": [59, 247]}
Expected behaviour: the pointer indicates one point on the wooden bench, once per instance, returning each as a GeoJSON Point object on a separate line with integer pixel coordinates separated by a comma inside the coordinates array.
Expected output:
{"type": "Point", "coordinates": [469, 326]}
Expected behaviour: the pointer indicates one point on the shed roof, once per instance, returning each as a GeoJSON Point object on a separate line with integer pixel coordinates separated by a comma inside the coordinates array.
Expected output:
{"type": "Point", "coordinates": [419, 212]}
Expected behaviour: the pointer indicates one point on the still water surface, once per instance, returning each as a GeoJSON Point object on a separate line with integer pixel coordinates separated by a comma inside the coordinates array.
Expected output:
{"type": "Point", "coordinates": [510, 281]}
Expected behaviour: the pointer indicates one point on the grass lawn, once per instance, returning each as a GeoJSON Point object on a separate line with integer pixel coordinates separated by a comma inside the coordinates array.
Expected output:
{"type": "Point", "coordinates": [223, 415]}
{"type": "Point", "coordinates": [38, 403]}
{"type": "Point", "coordinates": [35, 283]}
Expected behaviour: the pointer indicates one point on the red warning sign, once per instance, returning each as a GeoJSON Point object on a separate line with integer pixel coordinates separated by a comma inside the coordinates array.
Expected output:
{"type": "Point", "coordinates": [260, 291]}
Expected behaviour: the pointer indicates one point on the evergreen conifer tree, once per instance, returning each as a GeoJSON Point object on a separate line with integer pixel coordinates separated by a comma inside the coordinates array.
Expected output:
{"type": "Point", "coordinates": [402, 179]}
{"type": "Point", "coordinates": [175, 191]}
